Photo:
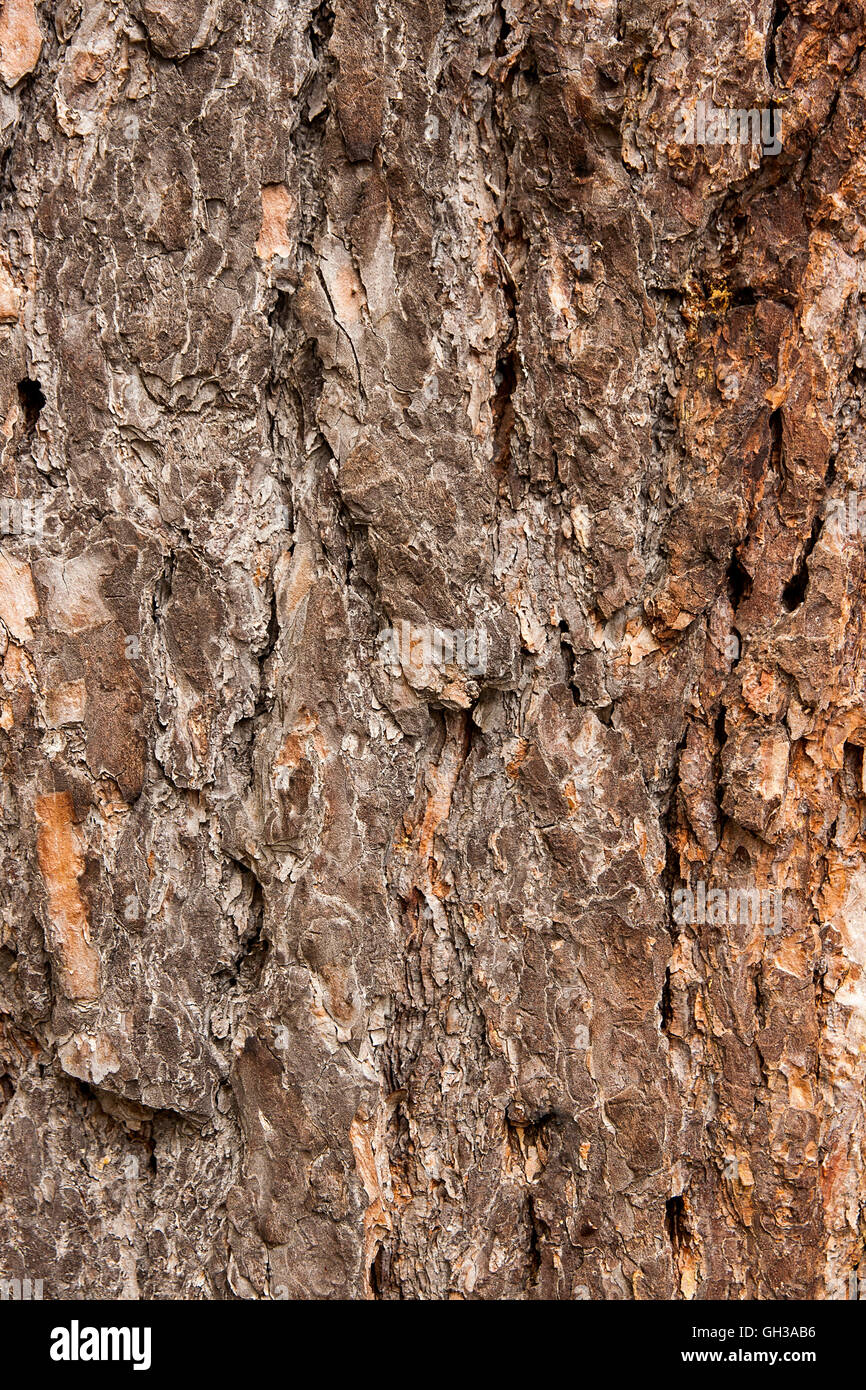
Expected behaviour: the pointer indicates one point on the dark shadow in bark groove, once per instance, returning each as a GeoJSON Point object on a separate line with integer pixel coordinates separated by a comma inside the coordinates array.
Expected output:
{"type": "Point", "coordinates": [31, 399]}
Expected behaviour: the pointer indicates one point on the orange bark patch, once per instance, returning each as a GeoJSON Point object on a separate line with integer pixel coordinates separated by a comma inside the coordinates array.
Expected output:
{"type": "Point", "coordinates": [10, 299]}
{"type": "Point", "coordinates": [277, 205]}
{"type": "Point", "coordinates": [17, 597]}
{"type": "Point", "coordinates": [377, 1221]}
{"type": "Point", "coordinates": [514, 765]}
{"type": "Point", "coordinates": [441, 782]}
{"type": "Point", "coordinates": [20, 40]}
{"type": "Point", "coordinates": [61, 864]}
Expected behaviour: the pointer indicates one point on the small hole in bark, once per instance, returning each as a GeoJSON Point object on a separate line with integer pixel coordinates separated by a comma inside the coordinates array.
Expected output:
{"type": "Point", "coordinates": [666, 1008]}
{"type": "Point", "coordinates": [852, 761]}
{"type": "Point", "coordinates": [539, 1231]}
{"type": "Point", "coordinates": [7, 1091]}
{"type": "Point", "coordinates": [568, 656]}
{"type": "Point", "coordinates": [502, 38]}
{"type": "Point", "coordinates": [794, 591]}
{"type": "Point", "coordinates": [777, 439]}
{"type": "Point", "coordinates": [378, 1273]}
{"type": "Point", "coordinates": [584, 165]}
{"type": "Point", "coordinates": [779, 14]}
{"type": "Point", "coordinates": [675, 1221]}
{"type": "Point", "coordinates": [505, 381]}
{"type": "Point", "coordinates": [739, 582]}
{"type": "Point", "coordinates": [31, 400]}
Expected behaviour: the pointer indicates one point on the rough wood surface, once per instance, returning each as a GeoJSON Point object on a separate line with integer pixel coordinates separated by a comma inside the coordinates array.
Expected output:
{"type": "Point", "coordinates": [432, 703]}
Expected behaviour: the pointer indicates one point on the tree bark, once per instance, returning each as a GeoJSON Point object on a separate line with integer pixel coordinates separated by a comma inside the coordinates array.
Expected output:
{"type": "Point", "coordinates": [432, 704]}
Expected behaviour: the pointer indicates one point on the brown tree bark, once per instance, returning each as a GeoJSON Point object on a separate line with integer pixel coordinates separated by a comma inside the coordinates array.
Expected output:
{"type": "Point", "coordinates": [432, 703]}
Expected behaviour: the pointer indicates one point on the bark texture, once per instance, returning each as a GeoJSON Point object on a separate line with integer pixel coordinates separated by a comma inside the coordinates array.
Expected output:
{"type": "Point", "coordinates": [341, 966]}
